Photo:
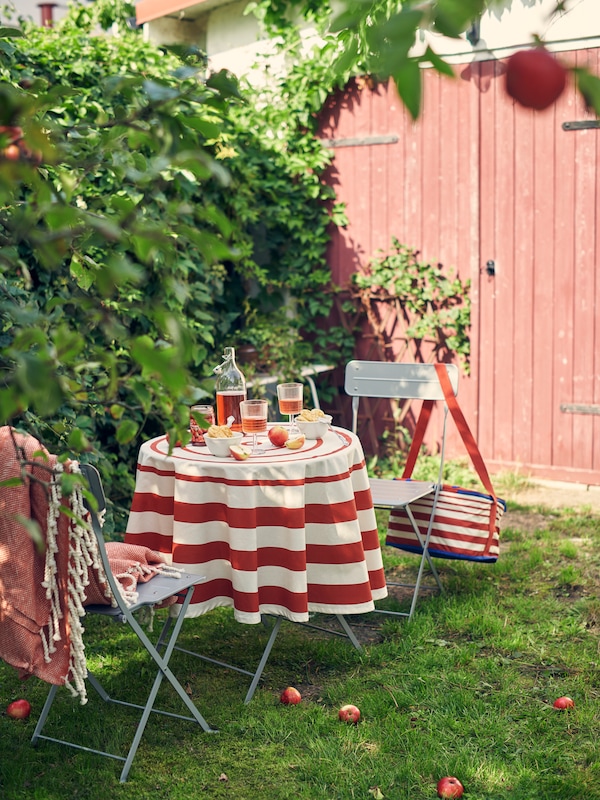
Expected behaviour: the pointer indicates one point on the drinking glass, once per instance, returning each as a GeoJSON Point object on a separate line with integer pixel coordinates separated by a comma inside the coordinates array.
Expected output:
{"type": "Point", "coordinates": [289, 396]}
{"type": "Point", "coordinates": [254, 419]}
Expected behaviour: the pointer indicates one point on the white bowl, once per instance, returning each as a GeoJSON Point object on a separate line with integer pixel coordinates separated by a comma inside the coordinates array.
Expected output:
{"type": "Point", "coordinates": [220, 447]}
{"type": "Point", "coordinates": [314, 430]}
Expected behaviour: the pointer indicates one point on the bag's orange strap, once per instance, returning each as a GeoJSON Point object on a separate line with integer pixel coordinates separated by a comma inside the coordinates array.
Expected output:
{"type": "Point", "coordinates": [418, 437]}
{"type": "Point", "coordinates": [470, 444]}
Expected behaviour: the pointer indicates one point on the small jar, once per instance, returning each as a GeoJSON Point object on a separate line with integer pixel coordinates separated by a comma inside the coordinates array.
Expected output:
{"type": "Point", "coordinates": [197, 428]}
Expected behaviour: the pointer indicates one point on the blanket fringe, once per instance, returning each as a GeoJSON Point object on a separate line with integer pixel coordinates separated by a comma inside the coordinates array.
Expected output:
{"type": "Point", "coordinates": [83, 554]}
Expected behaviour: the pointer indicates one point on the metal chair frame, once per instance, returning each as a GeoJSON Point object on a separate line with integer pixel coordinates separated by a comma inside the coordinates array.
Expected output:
{"type": "Point", "coordinates": [346, 632]}
{"type": "Point", "coordinates": [395, 381]}
{"type": "Point", "coordinates": [151, 593]}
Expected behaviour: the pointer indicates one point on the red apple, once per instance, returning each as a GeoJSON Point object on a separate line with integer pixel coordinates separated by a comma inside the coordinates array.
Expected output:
{"type": "Point", "coordinates": [290, 696]}
{"type": "Point", "coordinates": [450, 787]}
{"type": "Point", "coordinates": [534, 78]}
{"type": "Point", "coordinates": [278, 435]}
{"type": "Point", "coordinates": [564, 703]}
{"type": "Point", "coordinates": [349, 713]}
{"type": "Point", "coordinates": [19, 709]}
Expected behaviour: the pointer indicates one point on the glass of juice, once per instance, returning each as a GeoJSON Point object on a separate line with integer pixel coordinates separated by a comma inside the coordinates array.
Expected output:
{"type": "Point", "coordinates": [254, 419]}
{"type": "Point", "coordinates": [290, 396]}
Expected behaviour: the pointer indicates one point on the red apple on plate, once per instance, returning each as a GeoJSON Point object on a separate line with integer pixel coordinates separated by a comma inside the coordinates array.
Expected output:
{"type": "Point", "coordinates": [278, 435]}
{"type": "Point", "coordinates": [564, 703]}
{"type": "Point", "coordinates": [349, 713]}
{"type": "Point", "coordinates": [290, 696]}
{"type": "Point", "coordinates": [19, 709]}
{"type": "Point", "coordinates": [450, 787]}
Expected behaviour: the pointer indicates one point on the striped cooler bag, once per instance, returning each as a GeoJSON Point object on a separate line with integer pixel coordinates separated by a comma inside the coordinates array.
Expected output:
{"type": "Point", "coordinates": [466, 523]}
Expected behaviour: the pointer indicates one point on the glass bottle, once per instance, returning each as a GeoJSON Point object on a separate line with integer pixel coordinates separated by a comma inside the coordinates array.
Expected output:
{"type": "Point", "coordinates": [230, 389]}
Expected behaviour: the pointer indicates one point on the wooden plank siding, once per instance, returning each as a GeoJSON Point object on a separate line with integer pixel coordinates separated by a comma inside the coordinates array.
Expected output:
{"type": "Point", "coordinates": [476, 179]}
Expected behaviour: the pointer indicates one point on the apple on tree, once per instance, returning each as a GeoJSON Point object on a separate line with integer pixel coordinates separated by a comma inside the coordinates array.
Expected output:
{"type": "Point", "coordinates": [450, 787]}
{"type": "Point", "coordinates": [534, 78]}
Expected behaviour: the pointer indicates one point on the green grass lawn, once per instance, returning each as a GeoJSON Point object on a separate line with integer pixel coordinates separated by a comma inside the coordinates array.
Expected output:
{"type": "Point", "coordinates": [466, 689]}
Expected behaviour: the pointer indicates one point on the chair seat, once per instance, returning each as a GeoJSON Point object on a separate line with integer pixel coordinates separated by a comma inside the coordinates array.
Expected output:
{"type": "Point", "coordinates": [153, 592]}
{"type": "Point", "coordinates": [388, 493]}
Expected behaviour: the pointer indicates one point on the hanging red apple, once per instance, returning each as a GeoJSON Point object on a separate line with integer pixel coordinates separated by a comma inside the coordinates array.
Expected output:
{"type": "Point", "coordinates": [534, 78]}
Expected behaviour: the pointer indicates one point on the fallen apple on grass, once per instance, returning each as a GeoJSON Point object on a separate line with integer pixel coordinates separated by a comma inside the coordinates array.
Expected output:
{"type": "Point", "coordinates": [290, 696]}
{"type": "Point", "coordinates": [349, 713]}
{"type": "Point", "coordinates": [296, 443]}
{"type": "Point", "coordinates": [239, 452]}
{"type": "Point", "coordinates": [450, 787]}
{"type": "Point", "coordinates": [564, 703]}
{"type": "Point", "coordinates": [278, 435]}
{"type": "Point", "coordinates": [19, 709]}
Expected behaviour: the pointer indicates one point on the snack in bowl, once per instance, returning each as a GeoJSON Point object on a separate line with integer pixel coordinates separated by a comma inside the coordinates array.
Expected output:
{"type": "Point", "coordinates": [219, 442]}
{"type": "Point", "coordinates": [310, 415]}
{"type": "Point", "coordinates": [219, 432]}
{"type": "Point", "coordinates": [313, 423]}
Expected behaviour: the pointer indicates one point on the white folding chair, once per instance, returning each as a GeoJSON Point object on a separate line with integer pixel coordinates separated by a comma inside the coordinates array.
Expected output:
{"type": "Point", "coordinates": [401, 381]}
{"type": "Point", "coordinates": [152, 593]}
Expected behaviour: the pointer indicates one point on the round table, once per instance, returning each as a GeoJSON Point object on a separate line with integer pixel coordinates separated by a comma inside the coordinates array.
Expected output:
{"type": "Point", "coordinates": [286, 533]}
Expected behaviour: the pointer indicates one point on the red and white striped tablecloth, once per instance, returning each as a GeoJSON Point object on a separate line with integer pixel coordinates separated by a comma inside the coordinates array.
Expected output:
{"type": "Point", "coordinates": [284, 533]}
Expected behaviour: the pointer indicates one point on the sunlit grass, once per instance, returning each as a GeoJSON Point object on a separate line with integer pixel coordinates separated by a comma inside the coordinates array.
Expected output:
{"type": "Point", "coordinates": [465, 688]}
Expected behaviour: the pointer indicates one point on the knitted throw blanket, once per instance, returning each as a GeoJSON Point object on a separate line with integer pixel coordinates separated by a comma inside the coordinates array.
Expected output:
{"type": "Point", "coordinates": [45, 586]}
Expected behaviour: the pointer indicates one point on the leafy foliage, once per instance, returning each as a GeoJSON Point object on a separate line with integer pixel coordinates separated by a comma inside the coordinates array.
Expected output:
{"type": "Point", "coordinates": [382, 39]}
{"type": "Point", "coordinates": [437, 305]}
{"type": "Point", "coordinates": [147, 203]}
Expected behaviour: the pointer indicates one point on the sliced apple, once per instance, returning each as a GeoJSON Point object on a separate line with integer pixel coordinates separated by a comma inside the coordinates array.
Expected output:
{"type": "Point", "coordinates": [239, 452]}
{"type": "Point", "coordinates": [296, 443]}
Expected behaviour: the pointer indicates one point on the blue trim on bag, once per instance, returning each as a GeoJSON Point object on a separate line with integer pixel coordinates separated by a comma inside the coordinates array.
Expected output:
{"type": "Point", "coordinates": [437, 554]}
{"type": "Point", "coordinates": [473, 493]}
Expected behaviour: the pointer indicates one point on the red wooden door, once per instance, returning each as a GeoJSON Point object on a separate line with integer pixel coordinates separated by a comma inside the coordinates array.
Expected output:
{"type": "Point", "coordinates": [479, 180]}
{"type": "Point", "coordinates": [539, 377]}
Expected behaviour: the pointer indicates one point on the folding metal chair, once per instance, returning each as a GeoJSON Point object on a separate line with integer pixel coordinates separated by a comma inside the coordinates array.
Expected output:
{"type": "Point", "coordinates": [399, 381]}
{"type": "Point", "coordinates": [152, 593]}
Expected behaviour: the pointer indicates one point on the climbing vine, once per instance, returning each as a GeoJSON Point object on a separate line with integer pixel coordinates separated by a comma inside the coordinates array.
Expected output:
{"type": "Point", "coordinates": [434, 304]}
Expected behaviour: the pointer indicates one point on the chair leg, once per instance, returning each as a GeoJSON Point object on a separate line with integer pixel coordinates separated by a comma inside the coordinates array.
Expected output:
{"type": "Point", "coordinates": [162, 662]}
{"type": "Point", "coordinates": [44, 715]}
{"type": "Point", "coordinates": [425, 558]}
{"type": "Point", "coordinates": [264, 659]}
{"type": "Point", "coordinates": [348, 630]}
{"type": "Point", "coordinates": [163, 672]}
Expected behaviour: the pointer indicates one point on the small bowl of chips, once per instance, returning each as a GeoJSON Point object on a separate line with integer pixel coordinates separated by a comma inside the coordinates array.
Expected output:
{"type": "Point", "coordinates": [313, 423]}
{"type": "Point", "coordinates": [219, 438]}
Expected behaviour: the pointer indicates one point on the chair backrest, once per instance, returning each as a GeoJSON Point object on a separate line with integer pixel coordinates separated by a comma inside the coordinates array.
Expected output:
{"type": "Point", "coordinates": [394, 380]}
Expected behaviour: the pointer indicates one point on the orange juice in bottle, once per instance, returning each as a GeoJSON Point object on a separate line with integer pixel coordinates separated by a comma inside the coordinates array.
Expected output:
{"type": "Point", "coordinates": [230, 390]}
